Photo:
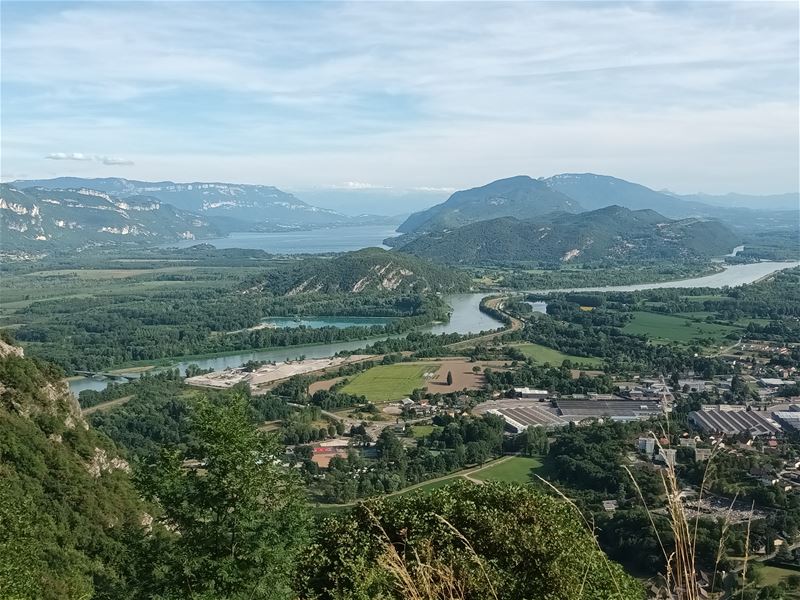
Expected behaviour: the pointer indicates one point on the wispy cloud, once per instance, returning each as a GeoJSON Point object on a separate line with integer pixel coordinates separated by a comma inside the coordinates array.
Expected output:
{"type": "Point", "coordinates": [357, 185]}
{"type": "Point", "coordinates": [80, 156]}
{"type": "Point", "coordinates": [68, 156]}
{"type": "Point", "coordinates": [114, 161]}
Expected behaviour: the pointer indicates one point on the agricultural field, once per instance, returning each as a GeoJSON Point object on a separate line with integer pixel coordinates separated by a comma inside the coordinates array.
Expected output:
{"type": "Point", "coordinates": [675, 328]}
{"type": "Point", "coordinates": [517, 469]}
{"type": "Point", "coordinates": [386, 383]}
{"type": "Point", "coordinates": [775, 575]}
{"type": "Point", "coordinates": [463, 376]}
{"type": "Point", "coordinates": [543, 354]}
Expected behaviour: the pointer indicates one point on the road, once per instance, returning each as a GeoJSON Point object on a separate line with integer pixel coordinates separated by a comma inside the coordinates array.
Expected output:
{"type": "Point", "coordinates": [465, 473]}
{"type": "Point", "coordinates": [105, 405]}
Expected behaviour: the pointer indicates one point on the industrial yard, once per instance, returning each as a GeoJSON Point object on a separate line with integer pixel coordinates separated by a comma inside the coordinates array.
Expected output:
{"type": "Point", "coordinates": [271, 373]}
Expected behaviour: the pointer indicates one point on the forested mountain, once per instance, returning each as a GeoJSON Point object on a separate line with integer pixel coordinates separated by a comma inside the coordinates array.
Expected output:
{"type": "Point", "coordinates": [38, 219]}
{"type": "Point", "coordinates": [521, 197]}
{"type": "Point", "coordinates": [597, 191]}
{"type": "Point", "coordinates": [241, 206]}
{"type": "Point", "coordinates": [66, 501]}
{"type": "Point", "coordinates": [611, 233]}
{"type": "Point", "coordinates": [735, 210]}
{"type": "Point", "coordinates": [367, 270]}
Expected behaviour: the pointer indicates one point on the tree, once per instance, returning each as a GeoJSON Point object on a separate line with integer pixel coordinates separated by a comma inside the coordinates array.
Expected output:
{"type": "Point", "coordinates": [449, 378]}
{"type": "Point", "coordinates": [233, 521]}
{"type": "Point", "coordinates": [495, 540]}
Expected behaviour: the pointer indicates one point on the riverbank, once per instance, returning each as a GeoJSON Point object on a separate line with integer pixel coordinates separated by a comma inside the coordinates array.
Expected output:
{"type": "Point", "coordinates": [466, 317]}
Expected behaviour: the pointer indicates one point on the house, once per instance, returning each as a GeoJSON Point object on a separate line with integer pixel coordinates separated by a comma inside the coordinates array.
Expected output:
{"type": "Point", "coordinates": [702, 454]}
{"type": "Point", "coordinates": [666, 456]}
{"type": "Point", "coordinates": [647, 445]}
{"type": "Point", "coordinates": [610, 505]}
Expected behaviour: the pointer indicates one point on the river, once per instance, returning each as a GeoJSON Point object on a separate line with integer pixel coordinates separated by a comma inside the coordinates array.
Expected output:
{"type": "Point", "coordinates": [465, 318]}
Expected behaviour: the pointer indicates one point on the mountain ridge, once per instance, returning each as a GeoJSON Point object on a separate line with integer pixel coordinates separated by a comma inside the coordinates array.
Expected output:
{"type": "Point", "coordinates": [520, 196]}
{"type": "Point", "coordinates": [612, 233]}
{"type": "Point", "coordinates": [39, 219]}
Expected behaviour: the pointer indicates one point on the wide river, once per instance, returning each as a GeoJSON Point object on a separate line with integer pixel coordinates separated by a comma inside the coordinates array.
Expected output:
{"type": "Point", "coordinates": [465, 318]}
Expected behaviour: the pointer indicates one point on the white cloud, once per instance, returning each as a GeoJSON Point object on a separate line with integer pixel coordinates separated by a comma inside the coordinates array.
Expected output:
{"type": "Point", "coordinates": [68, 156]}
{"type": "Point", "coordinates": [114, 161]}
{"type": "Point", "coordinates": [411, 94]}
{"type": "Point", "coordinates": [357, 185]}
{"type": "Point", "coordinates": [80, 156]}
{"type": "Point", "coordinates": [425, 188]}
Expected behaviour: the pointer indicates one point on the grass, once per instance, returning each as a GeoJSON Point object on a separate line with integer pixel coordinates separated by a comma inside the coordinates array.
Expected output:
{"type": "Point", "coordinates": [419, 431]}
{"type": "Point", "coordinates": [775, 575]}
{"type": "Point", "coordinates": [432, 485]}
{"type": "Point", "coordinates": [514, 470]}
{"type": "Point", "coordinates": [674, 328]}
{"type": "Point", "coordinates": [385, 383]}
{"type": "Point", "coordinates": [543, 354]}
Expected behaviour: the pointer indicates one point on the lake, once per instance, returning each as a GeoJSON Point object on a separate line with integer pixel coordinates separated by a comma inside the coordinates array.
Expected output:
{"type": "Point", "coordinates": [313, 241]}
{"type": "Point", "coordinates": [465, 318]}
{"type": "Point", "coordinates": [319, 322]}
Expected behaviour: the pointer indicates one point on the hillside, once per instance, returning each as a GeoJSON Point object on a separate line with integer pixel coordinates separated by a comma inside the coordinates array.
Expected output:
{"type": "Point", "coordinates": [66, 501]}
{"type": "Point", "coordinates": [368, 270]}
{"type": "Point", "coordinates": [37, 219]}
{"type": "Point", "coordinates": [611, 233]}
{"type": "Point", "coordinates": [240, 206]}
{"type": "Point", "coordinates": [744, 213]}
{"type": "Point", "coordinates": [597, 191]}
{"type": "Point", "coordinates": [521, 197]}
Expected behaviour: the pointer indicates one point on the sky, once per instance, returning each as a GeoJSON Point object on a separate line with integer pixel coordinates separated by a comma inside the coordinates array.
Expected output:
{"type": "Point", "coordinates": [698, 96]}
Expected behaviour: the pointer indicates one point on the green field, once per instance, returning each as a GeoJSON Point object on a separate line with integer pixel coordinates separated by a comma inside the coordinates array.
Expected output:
{"type": "Point", "coordinates": [775, 575]}
{"type": "Point", "coordinates": [517, 469]}
{"type": "Point", "coordinates": [675, 328]}
{"type": "Point", "coordinates": [418, 431]}
{"type": "Point", "coordinates": [385, 383]}
{"type": "Point", "coordinates": [543, 354]}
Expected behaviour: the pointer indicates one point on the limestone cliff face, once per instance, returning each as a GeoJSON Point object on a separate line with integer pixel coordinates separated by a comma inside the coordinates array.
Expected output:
{"type": "Point", "coordinates": [27, 391]}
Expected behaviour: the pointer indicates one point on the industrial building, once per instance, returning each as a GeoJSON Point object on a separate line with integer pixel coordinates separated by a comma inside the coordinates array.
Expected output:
{"type": "Point", "coordinates": [615, 408]}
{"type": "Point", "coordinates": [526, 392]}
{"type": "Point", "coordinates": [520, 418]}
{"type": "Point", "coordinates": [520, 414]}
{"type": "Point", "coordinates": [733, 422]}
{"type": "Point", "coordinates": [789, 419]}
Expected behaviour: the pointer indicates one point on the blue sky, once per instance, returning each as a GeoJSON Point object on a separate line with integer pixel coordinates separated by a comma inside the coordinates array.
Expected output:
{"type": "Point", "coordinates": [699, 96]}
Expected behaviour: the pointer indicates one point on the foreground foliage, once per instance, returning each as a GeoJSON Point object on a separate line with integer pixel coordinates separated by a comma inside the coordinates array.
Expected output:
{"type": "Point", "coordinates": [488, 541]}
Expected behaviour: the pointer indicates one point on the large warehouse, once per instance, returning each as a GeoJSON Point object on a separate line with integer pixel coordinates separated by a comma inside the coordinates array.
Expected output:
{"type": "Point", "coordinates": [733, 422]}
{"type": "Point", "coordinates": [520, 415]}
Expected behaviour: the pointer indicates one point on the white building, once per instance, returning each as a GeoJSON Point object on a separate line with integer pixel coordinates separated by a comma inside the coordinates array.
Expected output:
{"type": "Point", "coordinates": [526, 392]}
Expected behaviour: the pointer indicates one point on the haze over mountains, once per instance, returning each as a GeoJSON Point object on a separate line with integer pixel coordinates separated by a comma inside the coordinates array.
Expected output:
{"type": "Point", "coordinates": [527, 198]}
{"type": "Point", "coordinates": [521, 197]}
{"type": "Point", "coordinates": [69, 212]}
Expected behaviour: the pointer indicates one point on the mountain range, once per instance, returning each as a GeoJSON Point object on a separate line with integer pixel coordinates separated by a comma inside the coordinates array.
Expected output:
{"type": "Point", "coordinates": [521, 197]}
{"type": "Point", "coordinates": [612, 233]}
{"type": "Point", "coordinates": [237, 206]}
{"type": "Point", "coordinates": [67, 213]}
{"type": "Point", "coordinates": [526, 198]}
{"type": "Point", "coordinates": [38, 219]}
